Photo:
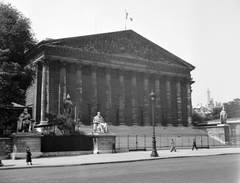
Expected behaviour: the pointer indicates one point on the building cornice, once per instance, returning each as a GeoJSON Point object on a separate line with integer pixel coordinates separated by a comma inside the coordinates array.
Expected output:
{"type": "Point", "coordinates": [74, 54]}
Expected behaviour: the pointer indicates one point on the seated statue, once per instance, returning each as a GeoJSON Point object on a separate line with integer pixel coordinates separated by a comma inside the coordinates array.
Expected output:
{"type": "Point", "coordinates": [99, 125]}
{"type": "Point", "coordinates": [223, 116]}
{"type": "Point", "coordinates": [24, 122]}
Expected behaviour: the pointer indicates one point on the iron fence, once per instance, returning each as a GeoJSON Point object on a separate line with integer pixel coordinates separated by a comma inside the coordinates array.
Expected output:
{"type": "Point", "coordinates": [137, 142]}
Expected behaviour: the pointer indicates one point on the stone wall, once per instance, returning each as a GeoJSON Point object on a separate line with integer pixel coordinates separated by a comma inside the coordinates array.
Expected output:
{"type": "Point", "coordinates": [21, 140]}
{"type": "Point", "coordinates": [5, 148]}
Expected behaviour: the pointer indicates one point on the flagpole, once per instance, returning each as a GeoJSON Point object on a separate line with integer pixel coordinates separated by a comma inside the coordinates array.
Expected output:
{"type": "Point", "coordinates": [125, 19]}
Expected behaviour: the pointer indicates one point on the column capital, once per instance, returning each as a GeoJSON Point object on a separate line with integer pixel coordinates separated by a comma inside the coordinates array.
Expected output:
{"type": "Point", "coordinates": [94, 66]}
{"type": "Point", "coordinates": [134, 73]}
{"type": "Point", "coordinates": [146, 73]}
{"type": "Point", "coordinates": [44, 62]}
{"type": "Point", "coordinates": [121, 71]}
{"type": "Point", "coordinates": [108, 69]}
{"type": "Point", "coordinates": [157, 75]}
{"type": "Point", "coordinates": [79, 65]}
{"type": "Point", "coordinates": [62, 63]}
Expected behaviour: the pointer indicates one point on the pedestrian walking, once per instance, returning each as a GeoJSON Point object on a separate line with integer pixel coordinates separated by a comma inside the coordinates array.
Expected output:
{"type": "Point", "coordinates": [113, 147]}
{"type": "Point", "coordinates": [28, 156]}
{"type": "Point", "coordinates": [173, 148]}
{"type": "Point", "coordinates": [194, 145]}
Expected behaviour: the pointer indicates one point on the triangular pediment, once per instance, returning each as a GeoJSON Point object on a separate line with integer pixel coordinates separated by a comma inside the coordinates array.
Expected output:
{"type": "Point", "coordinates": [124, 43]}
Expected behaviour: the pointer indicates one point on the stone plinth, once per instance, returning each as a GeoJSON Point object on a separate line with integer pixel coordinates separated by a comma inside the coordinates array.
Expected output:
{"type": "Point", "coordinates": [5, 148]}
{"type": "Point", "coordinates": [103, 143]}
{"type": "Point", "coordinates": [21, 140]}
{"type": "Point", "coordinates": [220, 132]}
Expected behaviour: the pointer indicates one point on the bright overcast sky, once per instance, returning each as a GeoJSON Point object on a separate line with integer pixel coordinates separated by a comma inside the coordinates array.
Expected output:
{"type": "Point", "coordinates": [204, 33]}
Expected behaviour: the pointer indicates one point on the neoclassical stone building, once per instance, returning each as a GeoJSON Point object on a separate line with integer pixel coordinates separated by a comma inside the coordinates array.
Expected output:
{"type": "Point", "coordinates": [113, 73]}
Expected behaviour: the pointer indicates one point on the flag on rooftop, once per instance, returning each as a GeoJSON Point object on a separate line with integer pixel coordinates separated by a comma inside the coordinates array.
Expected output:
{"type": "Point", "coordinates": [128, 17]}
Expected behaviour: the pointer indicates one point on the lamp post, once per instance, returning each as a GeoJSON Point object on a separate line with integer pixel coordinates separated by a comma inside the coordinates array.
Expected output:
{"type": "Point", "coordinates": [154, 149]}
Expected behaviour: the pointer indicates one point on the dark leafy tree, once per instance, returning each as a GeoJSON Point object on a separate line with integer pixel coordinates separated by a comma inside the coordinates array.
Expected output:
{"type": "Point", "coordinates": [216, 112]}
{"type": "Point", "coordinates": [197, 119]}
{"type": "Point", "coordinates": [64, 123]}
{"type": "Point", "coordinates": [16, 38]}
{"type": "Point", "coordinates": [233, 108]}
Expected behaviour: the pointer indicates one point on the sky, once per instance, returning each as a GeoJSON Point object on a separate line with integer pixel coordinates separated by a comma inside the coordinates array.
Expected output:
{"type": "Point", "coordinates": [206, 33]}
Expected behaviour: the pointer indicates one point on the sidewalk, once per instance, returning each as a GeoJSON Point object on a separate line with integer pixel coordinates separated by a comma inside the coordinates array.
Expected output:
{"type": "Point", "coordinates": [92, 159]}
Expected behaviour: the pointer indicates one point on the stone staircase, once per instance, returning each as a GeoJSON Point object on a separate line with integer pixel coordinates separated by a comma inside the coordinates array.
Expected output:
{"type": "Point", "coordinates": [148, 130]}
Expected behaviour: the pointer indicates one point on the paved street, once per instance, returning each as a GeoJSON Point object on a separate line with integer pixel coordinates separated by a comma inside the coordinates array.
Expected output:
{"type": "Point", "coordinates": [208, 169]}
{"type": "Point", "coordinates": [113, 158]}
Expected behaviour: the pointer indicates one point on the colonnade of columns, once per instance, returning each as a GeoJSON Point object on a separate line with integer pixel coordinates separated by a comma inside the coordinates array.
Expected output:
{"type": "Point", "coordinates": [43, 76]}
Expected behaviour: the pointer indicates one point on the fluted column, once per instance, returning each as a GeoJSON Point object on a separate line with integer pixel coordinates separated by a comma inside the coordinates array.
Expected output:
{"type": "Point", "coordinates": [37, 93]}
{"type": "Point", "coordinates": [45, 91]}
{"type": "Point", "coordinates": [146, 100]}
{"type": "Point", "coordinates": [189, 102]}
{"type": "Point", "coordinates": [121, 98]}
{"type": "Point", "coordinates": [179, 101]}
{"type": "Point", "coordinates": [62, 87]}
{"type": "Point", "coordinates": [94, 92]}
{"type": "Point", "coordinates": [134, 99]}
{"type": "Point", "coordinates": [78, 99]}
{"type": "Point", "coordinates": [108, 93]}
{"type": "Point", "coordinates": [158, 112]}
{"type": "Point", "coordinates": [169, 101]}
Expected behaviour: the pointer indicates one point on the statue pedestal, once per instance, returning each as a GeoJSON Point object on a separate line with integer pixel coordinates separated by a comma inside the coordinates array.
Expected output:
{"type": "Point", "coordinates": [103, 143]}
{"type": "Point", "coordinates": [221, 132]}
{"type": "Point", "coordinates": [21, 140]}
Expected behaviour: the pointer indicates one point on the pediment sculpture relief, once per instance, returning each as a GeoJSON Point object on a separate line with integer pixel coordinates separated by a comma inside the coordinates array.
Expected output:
{"type": "Point", "coordinates": [123, 46]}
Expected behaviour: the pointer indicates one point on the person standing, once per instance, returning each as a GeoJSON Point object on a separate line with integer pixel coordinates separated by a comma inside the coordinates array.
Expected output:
{"type": "Point", "coordinates": [194, 145]}
{"type": "Point", "coordinates": [28, 156]}
{"type": "Point", "coordinates": [173, 148]}
{"type": "Point", "coordinates": [1, 164]}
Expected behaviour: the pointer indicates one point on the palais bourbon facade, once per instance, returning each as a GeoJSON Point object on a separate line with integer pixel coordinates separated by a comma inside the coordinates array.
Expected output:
{"type": "Point", "coordinates": [113, 73]}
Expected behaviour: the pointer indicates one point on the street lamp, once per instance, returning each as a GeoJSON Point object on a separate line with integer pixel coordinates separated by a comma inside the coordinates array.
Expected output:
{"type": "Point", "coordinates": [154, 149]}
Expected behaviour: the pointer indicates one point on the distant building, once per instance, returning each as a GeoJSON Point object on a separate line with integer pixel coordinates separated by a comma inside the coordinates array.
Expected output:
{"type": "Point", "coordinates": [210, 101]}
{"type": "Point", "coordinates": [202, 111]}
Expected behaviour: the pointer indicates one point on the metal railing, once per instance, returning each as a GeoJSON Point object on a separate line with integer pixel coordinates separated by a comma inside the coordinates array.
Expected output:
{"type": "Point", "coordinates": [137, 142]}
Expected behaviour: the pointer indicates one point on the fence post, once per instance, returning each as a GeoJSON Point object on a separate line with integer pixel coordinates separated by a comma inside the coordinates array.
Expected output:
{"type": "Point", "coordinates": [119, 142]}
{"type": "Point", "coordinates": [136, 142]}
{"type": "Point", "coordinates": [220, 141]}
{"type": "Point", "coordinates": [128, 141]}
{"type": "Point", "coordinates": [201, 140]}
{"type": "Point", "coordinates": [167, 141]}
{"type": "Point", "coordinates": [175, 139]}
{"type": "Point", "coordinates": [214, 140]}
{"type": "Point", "coordinates": [145, 142]}
{"type": "Point", "coordinates": [208, 141]}
{"type": "Point", "coordinates": [182, 140]}
{"type": "Point", "coordinates": [160, 141]}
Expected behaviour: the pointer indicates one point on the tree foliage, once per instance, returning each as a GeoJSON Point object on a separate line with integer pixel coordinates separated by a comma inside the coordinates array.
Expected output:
{"type": "Point", "coordinates": [16, 38]}
{"type": "Point", "coordinates": [216, 112]}
{"type": "Point", "coordinates": [233, 108]}
{"type": "Point", "coordinates": [64, 123]}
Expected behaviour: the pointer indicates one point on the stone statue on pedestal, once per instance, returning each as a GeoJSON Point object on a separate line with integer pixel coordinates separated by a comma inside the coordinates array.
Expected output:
{"type": "Point", "coordinates": [25, 123]}
{"type": "Point", "coordinates": [99, 125]}
{"type": "Point", "coordinates": [68, 106]}
{"type": "Point", "coordinates": [223, 116]}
